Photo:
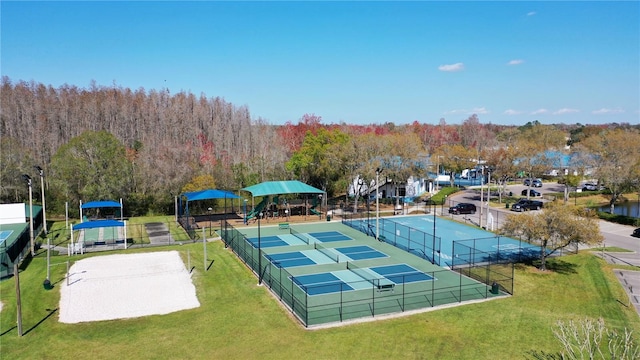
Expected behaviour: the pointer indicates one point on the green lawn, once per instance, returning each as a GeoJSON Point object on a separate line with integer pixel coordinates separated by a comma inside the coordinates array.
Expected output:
{"type": "Point", "coordinates": [240, 320]}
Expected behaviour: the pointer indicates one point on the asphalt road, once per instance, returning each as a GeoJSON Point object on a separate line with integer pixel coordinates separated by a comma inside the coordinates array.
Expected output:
{"type": "Point", "coordinates": [615, 235]}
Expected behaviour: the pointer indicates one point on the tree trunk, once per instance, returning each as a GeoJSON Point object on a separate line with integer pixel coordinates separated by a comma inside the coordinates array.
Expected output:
{"type": "Point", "coordinates": [543, 257]}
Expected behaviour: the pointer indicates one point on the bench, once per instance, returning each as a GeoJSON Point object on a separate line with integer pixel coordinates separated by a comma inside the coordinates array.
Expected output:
{"type": "Point", "coordinates": [283, 226]}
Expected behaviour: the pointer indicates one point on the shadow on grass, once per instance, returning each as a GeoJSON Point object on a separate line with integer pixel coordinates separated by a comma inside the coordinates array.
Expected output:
{"type": "Point", "coordinates": [555, 265]}
{"type": "Point", "coordinates": [8, 330]}
{"type": "Point", "coordinates": [51, 312]}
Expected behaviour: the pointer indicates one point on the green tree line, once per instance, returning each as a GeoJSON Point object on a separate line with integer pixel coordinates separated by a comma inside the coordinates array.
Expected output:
{"type": "Point", "coordinates": [148, 146]}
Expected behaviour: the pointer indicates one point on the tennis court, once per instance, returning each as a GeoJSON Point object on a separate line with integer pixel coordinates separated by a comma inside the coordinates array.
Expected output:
{"type": "Point", "coordinates": [443, 241]}
{"type": "Point", "coordinates": [297, 238]}
{"type": "Point", "coordinates": [323, 255]}
{"type": "Point", "coordinates": [327, 273]}
{"type": "Point", "coordinates": [383, 278]}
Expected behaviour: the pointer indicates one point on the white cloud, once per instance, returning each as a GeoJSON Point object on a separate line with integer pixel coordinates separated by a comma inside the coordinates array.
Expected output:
{"type": "Point", "coordinates": [451, 67]}
{"type": "Point", "coordinates": [479, 111]}
{"type": "Point", "coordinates": [531, 13]}
{"type": "Point", "coordinates": [539, 111]}
{"type": "Point", "coordinates": [565, 111]}
{"type": "Point", "coordinates": [512, 112]}
{"type": "Point", "coordinates": [607, 111]}
{"type": "Point", "coordinates": [515, 62]}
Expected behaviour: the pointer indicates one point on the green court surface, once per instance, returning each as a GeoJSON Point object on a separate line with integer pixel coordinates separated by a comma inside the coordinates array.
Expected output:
{"type": "Point", "coordinates": [330, 273]}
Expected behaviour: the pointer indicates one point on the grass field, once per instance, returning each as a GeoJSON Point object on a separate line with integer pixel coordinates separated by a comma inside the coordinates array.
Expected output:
{"type": "Point", "coordinates": [240, 320]}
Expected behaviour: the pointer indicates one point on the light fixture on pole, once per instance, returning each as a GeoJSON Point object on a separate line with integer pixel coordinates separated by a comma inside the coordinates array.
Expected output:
{"type": "Point", "coordinates": [378, 171]}
{"type": "Point", "coordinates": [259, 253]}
{"type": "Point", "coordinates": [27, 179]}
{"type": "Point", "coordinates": [44, 209]}
{"type": "Point", "coordinates": [209, 211]}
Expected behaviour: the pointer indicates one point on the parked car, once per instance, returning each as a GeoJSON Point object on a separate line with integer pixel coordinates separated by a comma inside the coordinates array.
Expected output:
{"type": "Point", "coordinates": [526, 204]}
{"type": "Point", "coordinates": [636, 233]}
{"type": "Point", "coordinates": [462, 208]}
{"type": "Point", "coordinates": [591, 187]}
{"type": "Point", "coordinates": [533, 182]}
{"type": "Point", "coordinates": [531, 192]}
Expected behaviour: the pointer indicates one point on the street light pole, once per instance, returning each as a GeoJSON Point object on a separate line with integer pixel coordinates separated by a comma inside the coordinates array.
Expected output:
{"type": "Point", "coordinates": [437, 172]}
{"type": "Point", "coordinates": [245, 211]}
{"type": "Point", "coordinates": [488, 196]}
{"type": "Point", "coordinates": [481, 192]}
{"type": "Point", "coordinates": [27, 179]}
{"type": "Point", "coordinates": [259, 253]}
{"type": "Point", "coordinates": [378, 171]}
{"type": "Point", "coordinates": [44, 210]}
{"type": "Point", "coordinates": [433, 247]}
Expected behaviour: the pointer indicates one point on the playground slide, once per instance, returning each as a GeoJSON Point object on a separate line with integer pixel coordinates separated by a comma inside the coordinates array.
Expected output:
{"type": "Point", "coordinates": [312, 209]}
{"type": "Point", "coordinates": [253, 213]}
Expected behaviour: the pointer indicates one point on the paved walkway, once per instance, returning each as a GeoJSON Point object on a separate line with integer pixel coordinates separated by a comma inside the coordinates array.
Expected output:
{"type": "Point", "coordinates": [158, 233]}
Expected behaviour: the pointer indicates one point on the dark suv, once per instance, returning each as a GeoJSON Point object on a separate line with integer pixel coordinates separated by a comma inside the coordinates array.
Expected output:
{"type": "Point", "coordinates": [462, 208]}
{"type": "Point", "coordinates": [525, 204]}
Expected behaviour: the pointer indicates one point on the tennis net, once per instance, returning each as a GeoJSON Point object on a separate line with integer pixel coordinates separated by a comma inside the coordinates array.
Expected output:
{"type": "Point", "coordinates": [299, 235]}
{"type": "Point", "coordinates": [379, 282]}
{"type": "Point", "coordinates": [327, 252]}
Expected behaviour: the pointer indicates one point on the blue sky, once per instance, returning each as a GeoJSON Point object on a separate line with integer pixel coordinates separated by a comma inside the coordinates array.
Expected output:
{"type": "Point", "coordinates": [509, 62]}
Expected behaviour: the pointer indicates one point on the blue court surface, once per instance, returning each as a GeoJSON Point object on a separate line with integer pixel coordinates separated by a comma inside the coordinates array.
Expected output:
{"type": "Point", "coordinates": [289, 239]}
{"type": "Point", "coordinates": [321, 283]}
{"type": "Point", "coordinates": [361, 252]}
{"type": "Point", "coordinates": [323, 256]}
{"type": "Point", "coordinates": [382, 277]}
{"type": "Point", "coordinates": [329, 236]}
{"type": "Point", "coordinates": [268, 241]}
{"type": "Point", "coordinates": [290, 259]}
{"type": "Point", "coordinates": [401, 273]}
{"type": "Point", "coordinates": [4, 234]}
{"type": "Point", "coordinates": [447, 231]}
